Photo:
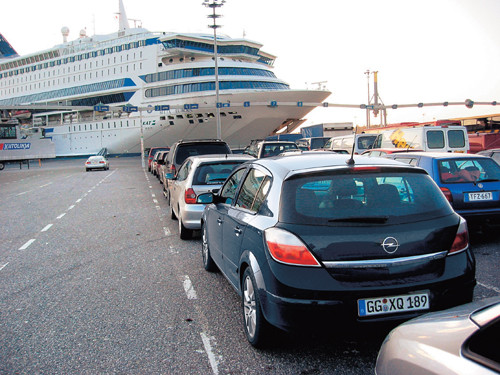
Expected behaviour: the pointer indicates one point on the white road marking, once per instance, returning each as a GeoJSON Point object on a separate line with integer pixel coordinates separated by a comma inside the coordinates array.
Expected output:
{"type": "Point", "coordinates": [214, 363]}
{"type": "Point", "coordinates": [155, 201]}
{"type": "Point", "coordinates": [188, 288]}
{"type": "Point", "coordinates": [2, 266]}
{"type": "Point", "coordinates": [71, 207]}
{"type": "Point", "coordinates": [167, 231]}
{"type": "Point", "coordinates": [489, 287]}
{"type": "Point", "coordinates": [153, 195]}
{"type": "Point", "coordinates": [50, 183]}
{"type": "Point", "coordinates": [25, 246]}
{"type": "Point", "coordinates": [150, 187]}
{"type": "Point", "coordinates": [24, 192]}
{"type": "Point", "coordinates": [78, 200]}
{"type": "Point", "coordinates": [46, 228]}
{"type": "Point", "coordinates": [61, 215]}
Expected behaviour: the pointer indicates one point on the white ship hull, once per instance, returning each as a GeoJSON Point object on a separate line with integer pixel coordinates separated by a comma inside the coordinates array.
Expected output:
{"type": "Point", "coordinates": [239, 124]}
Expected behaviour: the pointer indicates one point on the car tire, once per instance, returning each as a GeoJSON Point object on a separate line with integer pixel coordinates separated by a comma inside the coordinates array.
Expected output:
{"type": "Point", "coordinates": [208, 262]}
{"type": "Point", "coordinates": [184, 233]}
{"type": "Point", "coordinates": [255, 325]}
{"type": "Point", "coordinates": [2, 166]}
{"type": "Point", "coordinates": [86, 169]}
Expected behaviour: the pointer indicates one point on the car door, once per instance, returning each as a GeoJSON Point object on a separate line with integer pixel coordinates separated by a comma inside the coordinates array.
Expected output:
{"type": "Point", "coordinates": [177, 186]}
{"type": "Point", "coordinates": [239, 216]}
{"type": "Point", "coordinates": [217, 213]}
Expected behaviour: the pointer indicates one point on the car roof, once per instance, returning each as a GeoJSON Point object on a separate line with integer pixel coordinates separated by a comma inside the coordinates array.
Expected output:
{"type": "Point", "coordinates": [318, 160]}
{"type": "Point", "coordinates": [219, 157]}
{"type": "Point", "coordinates": [444, 155]}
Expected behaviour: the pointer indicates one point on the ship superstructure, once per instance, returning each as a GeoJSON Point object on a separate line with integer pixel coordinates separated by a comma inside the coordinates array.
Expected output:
{"type": "Point", "coordinates": [158, 84]}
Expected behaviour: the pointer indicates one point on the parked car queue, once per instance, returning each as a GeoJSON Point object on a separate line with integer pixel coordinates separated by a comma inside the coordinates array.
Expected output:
{"type": "Point", "coordinates": [294, 256]}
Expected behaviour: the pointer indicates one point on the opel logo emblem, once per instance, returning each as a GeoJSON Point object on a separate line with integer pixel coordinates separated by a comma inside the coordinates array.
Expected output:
{"type": "Point", "coordinates": [390, 245]}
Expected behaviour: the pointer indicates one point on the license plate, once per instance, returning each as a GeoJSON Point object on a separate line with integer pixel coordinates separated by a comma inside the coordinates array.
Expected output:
{"type": "Point", "coordinates": [394, 304]}
{"type": "Point", "coordinates": [482, 196]}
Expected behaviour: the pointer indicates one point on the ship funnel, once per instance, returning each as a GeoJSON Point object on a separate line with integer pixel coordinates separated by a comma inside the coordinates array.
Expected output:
{"type": "Point", "coordinates": [65, 33]}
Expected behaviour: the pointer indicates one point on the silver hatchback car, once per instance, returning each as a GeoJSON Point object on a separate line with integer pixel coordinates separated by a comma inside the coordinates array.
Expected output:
{"type": "Point", "coordinates": [197, 175]}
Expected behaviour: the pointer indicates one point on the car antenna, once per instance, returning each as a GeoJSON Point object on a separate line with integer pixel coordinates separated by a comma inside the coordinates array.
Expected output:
{"type": "Point", "coordinates": [350, 161]}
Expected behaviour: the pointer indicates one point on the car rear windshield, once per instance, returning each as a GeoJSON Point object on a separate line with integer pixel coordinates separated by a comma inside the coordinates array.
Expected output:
{"type": "Point", "coordinates": [187, 150]}
{"type": "Point", "coordinates": [468, 170]}
{"type": "Point", "coordinates": [378, 196]}
{"type": "Point", "coordinates": [213, 173]}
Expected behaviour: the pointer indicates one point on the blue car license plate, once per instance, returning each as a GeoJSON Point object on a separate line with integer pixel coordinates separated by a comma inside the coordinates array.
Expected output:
{"type": "Point", "coordinates": [394, 304]}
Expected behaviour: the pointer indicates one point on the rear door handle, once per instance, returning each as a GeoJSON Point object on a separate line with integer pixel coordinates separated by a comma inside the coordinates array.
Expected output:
{"type": "Point", "coordinates": [219, 221]}
{"type": "Point", "coordinates": [237, 231]}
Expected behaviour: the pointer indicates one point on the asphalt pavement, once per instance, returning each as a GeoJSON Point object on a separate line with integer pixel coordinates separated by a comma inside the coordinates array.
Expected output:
{"type": "Point", "coordinates": [95, 280]}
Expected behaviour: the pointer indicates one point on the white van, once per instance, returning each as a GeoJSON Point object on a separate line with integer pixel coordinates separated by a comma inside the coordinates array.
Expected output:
{"type": "Point", "coordinates": [345, 142]}
{"type": "Point", "coordinates": [426, 138]}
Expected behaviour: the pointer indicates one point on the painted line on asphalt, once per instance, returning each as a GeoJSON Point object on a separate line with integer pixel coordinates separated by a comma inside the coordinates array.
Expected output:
{"type": "Point", "coordinates": [71, 207]}
{"type": "Point", "coordinates": [214, 363]}
{"type": "Point", "coordinates": [155, 201]}
{"type": "Point", "coordinates": [27, 244]}
{"type": "Point", "coordinates": [188, 288]}
{"type": "Point", "coordinates": [50, 183]}
{"type": "Point", "coordinates": [167, 231]}
{"type": "Point", "coordinates": [489, 287]}
{"type": "Point", "coordinates": [78, 200]}
{"type": "Point", "coordinates": [153, 195]}
{"type": "Point", "coordinates": [61, 215]}
{"type": "Point", "coordinates": [46, 228]}
{"type": "Point", "coordinates": [2, 266]}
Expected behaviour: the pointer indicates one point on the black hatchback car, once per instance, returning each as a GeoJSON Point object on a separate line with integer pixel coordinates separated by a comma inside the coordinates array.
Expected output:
{"type": "Point", "coordinates": [315, 241]}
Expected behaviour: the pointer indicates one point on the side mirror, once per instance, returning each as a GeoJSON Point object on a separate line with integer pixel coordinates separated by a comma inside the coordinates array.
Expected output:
{"type": "Point", "coordinates": [205, 198]}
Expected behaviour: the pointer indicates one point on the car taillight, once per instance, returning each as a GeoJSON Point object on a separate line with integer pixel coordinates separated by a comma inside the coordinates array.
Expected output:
{"type": "Point", "coordinates": [286, 248]}
{"type": "Point", "coordinates": [172, 169]}
{"type": "Point", "coordinates": [447, 194]}
{"type": "Point", "coordinates": [190, 196]}
{"type": "Point", "coordinates": [461, 241]}
{"type": "Point", "coordinates": [101, 162]}
{"type": "Point", "coordinates": [87, 162]}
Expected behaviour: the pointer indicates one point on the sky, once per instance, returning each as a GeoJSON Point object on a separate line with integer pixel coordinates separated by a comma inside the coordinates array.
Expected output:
{"type": "Point", "coordinates": [424, 51]}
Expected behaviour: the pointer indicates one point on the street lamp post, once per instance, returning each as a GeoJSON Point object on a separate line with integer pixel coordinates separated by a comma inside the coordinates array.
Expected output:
{"type": "Point", "coordinates": [214, 4]}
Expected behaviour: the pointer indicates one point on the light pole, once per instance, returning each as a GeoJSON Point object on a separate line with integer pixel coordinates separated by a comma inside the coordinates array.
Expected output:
{"type": "Point", "coordinates": [214, 4]}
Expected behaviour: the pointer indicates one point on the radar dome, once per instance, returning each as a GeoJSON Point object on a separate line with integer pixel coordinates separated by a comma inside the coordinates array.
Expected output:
{"type": "Point", "coordinates": [83, 33]}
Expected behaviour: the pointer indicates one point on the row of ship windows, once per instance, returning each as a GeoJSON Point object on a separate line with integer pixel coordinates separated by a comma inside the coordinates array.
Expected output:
{"type": "Point", "coordinates": [210, 86]}
{"type": "Point", "coordinates": [201, 72]}
{"type": "Point", "coordinates": [78, 90]}
{"type": "Point", "coordinates": [36, 63]}
{"type": "Point", "coordinates": [15, 88]}
{"type": "Point", "coordinates": [199, 117]}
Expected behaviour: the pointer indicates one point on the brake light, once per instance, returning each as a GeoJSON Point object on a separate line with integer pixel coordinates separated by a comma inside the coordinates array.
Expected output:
{"type": "Point", "coordinates": [190, 196]}
{"type": "Point", "coordinates": [461, 241]}
{"type": "Point", "coordinates": [287, 248]}
{"type": "Point", "coordinates": [447, 194]}
{"type": "Point", "coordinates": [88, 162]}
{"type": "Point", "coordinates": [172, 169]}
{"type": "Point", "coordinates": [101, 162]}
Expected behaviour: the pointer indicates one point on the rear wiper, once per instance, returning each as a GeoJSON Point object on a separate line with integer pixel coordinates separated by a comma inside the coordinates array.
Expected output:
{"type": "Point", "coordinates": [361, 219]}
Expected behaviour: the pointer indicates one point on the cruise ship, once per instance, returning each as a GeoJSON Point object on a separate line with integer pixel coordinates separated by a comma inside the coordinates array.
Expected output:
{"type": "Point", "coordinates": [136, 89]}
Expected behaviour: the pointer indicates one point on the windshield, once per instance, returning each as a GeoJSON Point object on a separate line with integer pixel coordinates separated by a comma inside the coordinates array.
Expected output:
{"type": "Point", "coordinates": [371, 197]}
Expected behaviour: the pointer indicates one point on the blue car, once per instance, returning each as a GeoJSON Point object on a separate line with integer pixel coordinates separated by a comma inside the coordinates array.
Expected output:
{"type": "Point", "coordinates": [470, 182]}
{"type": "Point", "coordinates": [320, 240]}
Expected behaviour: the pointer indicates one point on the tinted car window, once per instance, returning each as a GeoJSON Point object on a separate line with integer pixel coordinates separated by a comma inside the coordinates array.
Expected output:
{"type": "Point", "coordinates": [468, 170]}
{"type": "Point", "coordinates": [250, 190]}
{"type": "Point", "coordinates": [213, 173]}
{"type": "Point", "coordinates": [184, 171]}
{"type": "Point", "coordinates": [456, 138]}
{"type": "Point", "coordinates": [435, 139]}
{"type": "Point", "coordinates": [381, 196]}
{"type": "Point", "coordinates": [187, 150]}
{"type": "Point", "coordinates": [228, 191]}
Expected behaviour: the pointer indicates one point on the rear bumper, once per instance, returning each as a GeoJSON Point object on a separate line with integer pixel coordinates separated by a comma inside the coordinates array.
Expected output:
{"type": "Point", "coordinates": [191, 215]}
{"type": "Point", "coordinates": [342, 309]}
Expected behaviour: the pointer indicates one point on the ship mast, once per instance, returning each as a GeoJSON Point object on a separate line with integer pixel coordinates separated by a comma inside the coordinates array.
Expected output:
{"type": "Point", "coordinates": [122, 19]}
